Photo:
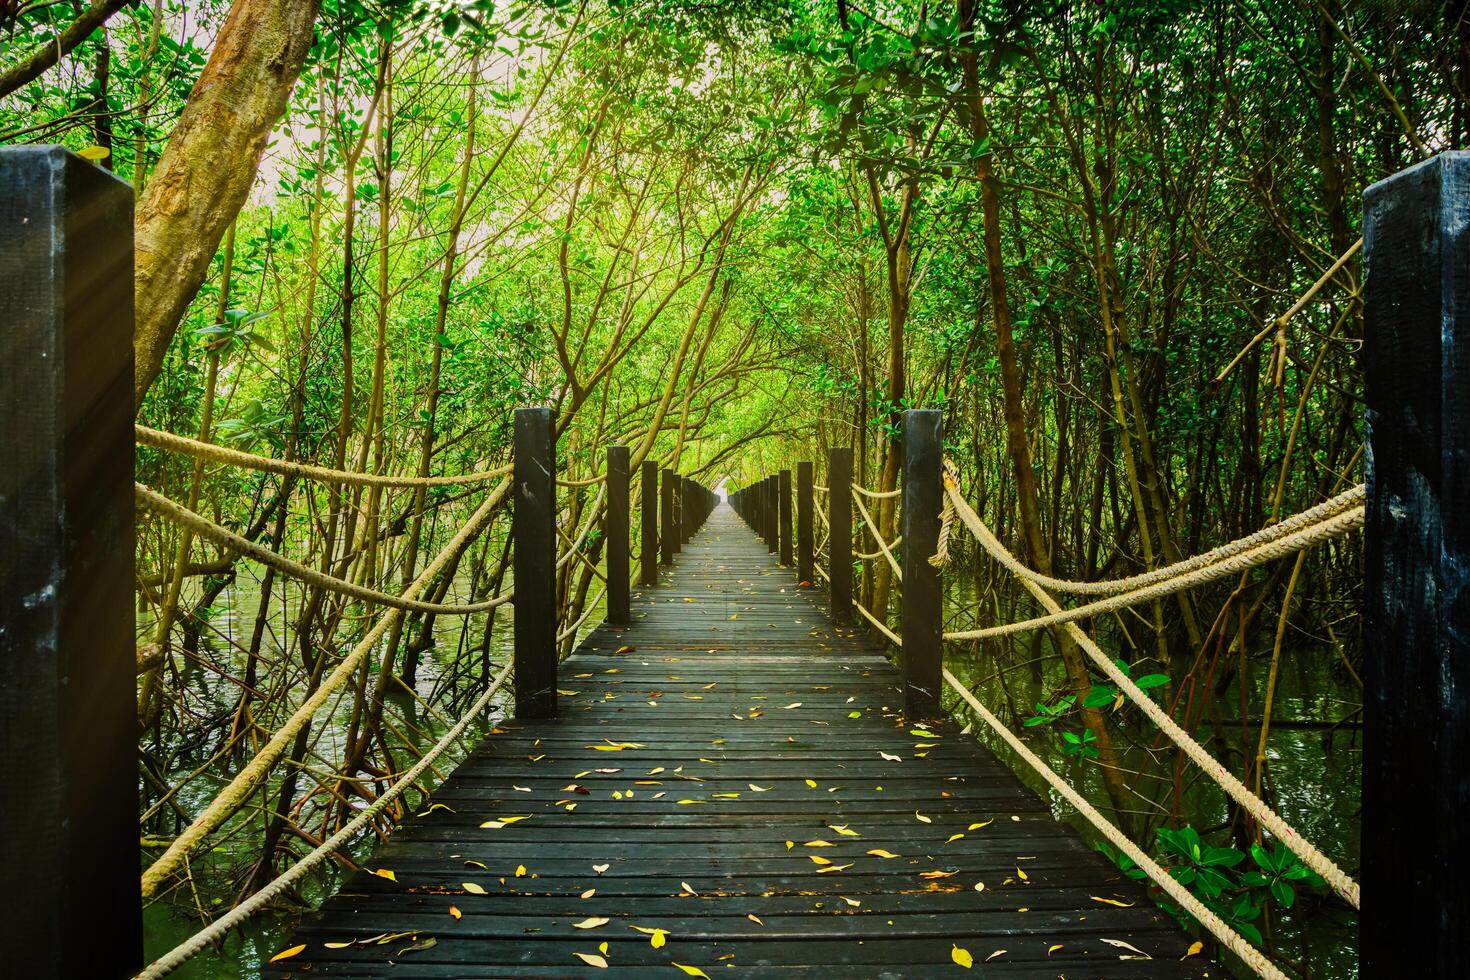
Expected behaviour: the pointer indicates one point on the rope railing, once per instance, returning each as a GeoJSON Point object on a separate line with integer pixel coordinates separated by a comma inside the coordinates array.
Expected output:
{"type": "Point", "coordinates": [876, 494]}
{"type": "Point", "coordinates": [238, 790]}
{"type": "Point", "coordinates": [1227, 936]}
{"type": "Point", "coordinates": [589, 481]}
{"type": "Point", "coordinates": [893, 637]}
{"type": "Point", "coordinates": [1252, 804]}
{"type": "Point", "coordinates": [883, 547]}
{"type": "Point", "coordinates": [237, 916]}
{"type": "Point", "coordinates": [206, 529]}
{"type": "Point", "coordinates": [209, 452]}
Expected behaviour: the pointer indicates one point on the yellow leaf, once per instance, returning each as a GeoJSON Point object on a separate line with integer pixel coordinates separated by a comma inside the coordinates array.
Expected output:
{"type": "Point", "coordinates": [94, 154]}
{"type": "Point", "coordinates": [589, 893]}
{"type": "Point", "coordinates": [694, 971]}
{"type": "Point", "coordinates": [834, 867]}
{"type": "Point", "coordinates": [921, 818]}
{"type": "Point", "coordinates": [853, 902]}
{"type": "Point", "coordinates": [881, 853]}
{"type": "Point", "coordinates": [602, 947]}
{"type": "Point", "coordinates": [811, 783]}
{"type": "Point", "coordinates": [1022, 875]}
{"type": "Point", "coordinates": [625, 649]}
{"type": "Point", "coordinates": [688, 888]}
{"type": "Point", "coordinates": [819, 843]}
{"type": "Point", "coordinates": [759, 789]}
{"type": "Point", "coordinates": [656, 937]}
{"type": "Point", "coordinates": [1195, 948]}
{"type": "Point", "coordinates": [754, 918]}
{"type": "Point", "coordinates": [999, 952]}
{"type": "Point", "coordinates": [520, 871]}
{"type": "Point", "coordinates": [1053, 949]}
{"type": "Point", "coordinates": [691, 802]}
{"type": "Point", "coordinates": [591, 922]}
{"type": "Point", "coordinates": [385, 873]}
{"type": "Point", "coordinates": [931, 875]}
{"type": "Point", "coordinates": [793, 704]}
{"type": "Point", "coordinates": [1112, 901]}
{"type": "Point", "coordinates": [472, 888]}
{"type": "Point", "coordinates": [961, 956]}
{"type": "Point", "coordinates": [790, 844]}
{"type": "Point", "coordinates": [454, 911]}
{"type": "Point", "coordinates": [600, 868]}
{"type": "Point", "coordinates": [818, 859]}
{"type": "Point", "coordinates": [845, 831]}
{"type": "Point", "coordinates": [592, 959]}
{"type": "Point", "coordinates": [977, 826]}
{"type": "Point", "coordinates": [286, 954]}
{"type": "Point", "coordinates": [337, 945]}
{"type": "Point", "coordinates": [953, 838]}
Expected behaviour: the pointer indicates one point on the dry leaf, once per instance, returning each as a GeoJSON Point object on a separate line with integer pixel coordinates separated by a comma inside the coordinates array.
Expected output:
{"type": "Point", "coordinates": [592, 922]}
{"type": "Point", "coordinates": [472, 888]}
{"type": "Point", "coordinates": [455, 912]}
{"type": "Point", "coordinates": [921, 818]}
{"type": "Point", "coordinates": [999, 952]}
{"type": "Point", "coordinates": [1053, 949]}
{"type": "Point", "coordinates": [694, 971]}
{"type": "Point", "coordinates": [891, 758]}
{"type": "Point", "coordinates": [759, 789]}
{"type": "Point", "coordinates": [385, 873]}
{"type": "Point", "coordinates": [600, 868]}
{"type": "Point", "coordinates": [520, 871]}
{"type": "Point", "coordinates": [881, 853]}
{"type": "Point", "coordinates": [754, 918]}
{"type": "Point", "coordinates": [818, 859]}
{"type": "Point", "coordinates": [1195, 948]}
{"type": "Point", "coordinates": [1122, 945]}
{"type": "Point", "coordinates": [286, 954]}
{"type": "Point", "coordinates": [961, 956]}
{"type": "Point", "coordinates": [1112, 901]}
{"type": "Point", "coordinates": [589, 893]}
{"type": "Point", "coordinates": [592, 959]}
{"type": "Point", "coordinates": [688, 888]}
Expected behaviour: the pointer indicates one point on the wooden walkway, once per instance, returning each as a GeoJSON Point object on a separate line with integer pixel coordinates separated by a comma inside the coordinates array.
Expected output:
{"type": "Point", "coordinates": [731, 771]}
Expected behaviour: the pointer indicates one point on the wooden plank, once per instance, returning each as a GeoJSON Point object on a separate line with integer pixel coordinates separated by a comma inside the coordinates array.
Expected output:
{"type": "Point", "coordinates": [1416, 714]}
{"type": "Point", "coordinates": [68, 722]}
{"type": "Point", "coordinates": [670, 785]}
{"type": "Point", "coordinates": [533, 527]}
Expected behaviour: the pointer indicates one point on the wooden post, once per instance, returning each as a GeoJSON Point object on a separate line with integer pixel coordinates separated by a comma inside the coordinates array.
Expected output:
{"type": "Point", "coordinates": [618, 600]}
{"type": "Point", "coordinates": [839, 543]}
{"type": "Point", "coordinates": [783, 503]}
{"type": "Point", "coordinates": [773, 514]}
{"type": "Point", "coordinates": [689, 509]}
{"type": "Point", "coordinates": [922, 615]}
{"type": "Point", "coordinates": [666, 543]}
{"type": "Point", "coordinates": [1416, 650]}
{"type": "Point", "coordinates": [804, 539]}
{"type": "Point", "coordinates": [533, 527]}
{"type": "Point", "coordinates": [649, 515]}
{"type": "Point", "coordinates": [68, 725]}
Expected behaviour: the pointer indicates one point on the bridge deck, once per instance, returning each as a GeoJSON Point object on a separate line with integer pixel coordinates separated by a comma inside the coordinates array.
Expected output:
{"type": "Point", "coordinates": [739, 730]}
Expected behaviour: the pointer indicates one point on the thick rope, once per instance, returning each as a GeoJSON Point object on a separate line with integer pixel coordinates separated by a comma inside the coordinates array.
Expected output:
{"type": "Point", "coordinates": [1227, 936]}
{"type": "Point", "coordinates": [217, 929]}
{"type": "Point", "coordinates": [820, 489]}
{"type": "Point", "coordinates": [185, 446]}
{"type": "Point", "coordinates": [1248, 801]}
{"type": "Point", "coordinates": [572, 629]}
{"type": "Point", "coordinates": [951, 477]}
{"type": "Point", "coordinates": [1344, 501]}
{"type": "Point", "coordinates": [1315, 534]}
{"type": "Point", "coordinates": [876, 494]}
{"type": "Point", "coordinates": [892, 636]}
{"type": "Point", "coordinates": [601, 478]}
{"type": "Point", "coordinates": [239, 789]}
{"type": "Point", "coordinates": [873, 530]}
{"type": "Point", "coordinates": [575, 547]}
{"type": "Point", "coordinates": [870, 555]}
{"type": "Point", "coordinates": [204, 528]}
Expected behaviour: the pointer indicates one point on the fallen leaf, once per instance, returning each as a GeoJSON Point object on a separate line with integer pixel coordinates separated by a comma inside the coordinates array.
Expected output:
{"type": "Point", "coordinates": [812, 783]}
{"type": "Point", "coordinates": [589, 893]}
{"type": "Point", "coordinates": [1195, 948]}
{"type": "Point", "coordinates": [853, 902]}
{"type": "Point", "coordinates": [472, 888]}
{"type": "Point", "coordinates": [592, 922]}
{"type": "Point", "coordinates": [1122, 945]}
{"type": "Point", "coordinates": [818, 859]}
{"type": "Point", "coordinates": [880, 852]}
{"type": "Point", "coordinates": [1053, 949]}
{"type": "Point", "coordinates": [694, 971]}
{"type": "Point", "coordinates": [953, 838]}
{"type": "Point", "coordinates": [656, 937]}
{"type": "Point", "coordinates": [385, 873]}
{"type": "Point", "coordinates": [833, 867]}
{"type": "Point", "coordinates": [455, 912]}
{"type": "Point", "coordinates": [921, 818]}
{"type": "Point", "coordinates": [286, 954]}
{"type": "Point", "coordinates": [625, 649]}
{"type": "Point", "coordinates": [1112, 901]}
{"type": "Point", "coordinates": [520, 871]}
{"type": "Point", "coordinates": [754, 918]}
{"type": "Point", "coordinates": [961, 956]}
{"type": "Point", "coordinates": [600, 868]}
{"type": "Point", "coordinates": [338, 945]}
{"type": "Point", "coordinates": [891, 758]}
{"type": "Point", "coordinates": [592, 959]}
{"type": "Point", "coordinates": [999, 952]}
{"type": "Point", "coordinates": [793, 704]}
{"type": "Point", "coordinates": [977, 826]}
{"type": "Point", "coordinates": [688, 888]}
{"type": "Point", "coordinates": [759, 789]}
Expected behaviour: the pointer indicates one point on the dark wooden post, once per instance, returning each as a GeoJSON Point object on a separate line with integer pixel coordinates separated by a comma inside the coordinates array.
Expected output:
{"type": "Point", "coordinates": [839, 520]}
{"type": "Point", "coordinates": [804, 539]}
{"type": "Point", "coordinates": [649, 491]}
{"type": "Point", "coordinates": [773, 514]}
{"type": "Point", "coordinates": [68, 725]}
{"type": "Point", "coordinates": [1416, 660]}
{"type": "Point", "coordinates": [922, 616]}
{"type": "Point", "coordinates": [690, 509]}
{"type": "Point", "coordinates": [533, 527]}
{"type": "Point", "coordinates": [666, 543]}
{"type": "Point", "coordinates": [783, 504]}
{"type": "Point", "coordinates": [618, 600]}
